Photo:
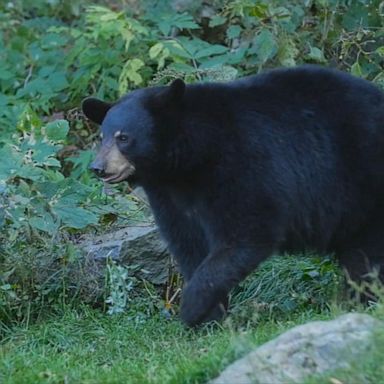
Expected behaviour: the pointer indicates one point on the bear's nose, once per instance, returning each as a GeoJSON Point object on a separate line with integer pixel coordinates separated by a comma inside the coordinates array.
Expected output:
{"type": "Point", "coordinates": [98, 169]}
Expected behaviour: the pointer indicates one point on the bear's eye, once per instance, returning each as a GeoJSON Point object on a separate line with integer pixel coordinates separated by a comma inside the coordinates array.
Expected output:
{"type": "Point", "coordinates": [123, 137]}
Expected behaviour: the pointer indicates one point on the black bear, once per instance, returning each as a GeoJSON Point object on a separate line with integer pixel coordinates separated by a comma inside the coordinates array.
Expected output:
{"type": "Point", "coordinates": [288, 160]}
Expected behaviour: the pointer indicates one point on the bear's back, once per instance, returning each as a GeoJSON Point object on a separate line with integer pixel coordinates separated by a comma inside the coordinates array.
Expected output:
{"type": "Point", "coordinates": [317, 133]}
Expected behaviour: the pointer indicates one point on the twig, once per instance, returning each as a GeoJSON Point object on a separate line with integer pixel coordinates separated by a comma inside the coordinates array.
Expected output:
{"type": "Point", "coordinates": [29, 75]}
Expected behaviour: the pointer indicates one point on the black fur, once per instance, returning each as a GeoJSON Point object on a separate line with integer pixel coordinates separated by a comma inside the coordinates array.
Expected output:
{"type": "Point", "coordinates": [289, 160]}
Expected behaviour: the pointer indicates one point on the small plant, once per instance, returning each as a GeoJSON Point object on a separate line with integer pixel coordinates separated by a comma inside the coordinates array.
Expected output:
{"type": "Point", "coordinates": [120, 284]}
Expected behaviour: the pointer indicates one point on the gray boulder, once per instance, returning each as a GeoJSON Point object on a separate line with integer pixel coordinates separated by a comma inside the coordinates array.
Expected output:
{"type": "Point", "coordinates": [139, 246]}
{"type": "Point", "coordinates": [305, 350]}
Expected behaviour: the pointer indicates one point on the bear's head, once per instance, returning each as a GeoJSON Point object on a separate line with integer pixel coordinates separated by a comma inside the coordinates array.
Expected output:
{"type": "Point", "coordinates": [134, 130]}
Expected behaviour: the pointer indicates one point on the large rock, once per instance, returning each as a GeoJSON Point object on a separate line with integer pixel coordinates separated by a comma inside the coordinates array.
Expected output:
{"type": "Point", "coordinates": [305, 350]}
{"type": "Point", "coordinates": [139, 246]}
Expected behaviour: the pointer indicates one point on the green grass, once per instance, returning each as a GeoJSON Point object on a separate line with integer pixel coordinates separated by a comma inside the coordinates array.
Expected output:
{"type": "Point", "coordinates": [90, 347]}
{"type": "Point", "coordinates": [86, 346]}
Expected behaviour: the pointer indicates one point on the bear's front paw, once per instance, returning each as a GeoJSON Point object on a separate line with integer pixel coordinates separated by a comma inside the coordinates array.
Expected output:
{"type": "Point", "coordinates": [199, 306]}
{"type": "Point", "coordinates": [193, 306]}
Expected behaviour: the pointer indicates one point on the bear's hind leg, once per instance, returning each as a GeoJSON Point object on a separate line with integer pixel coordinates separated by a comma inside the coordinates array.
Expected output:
{"type": "Point", "coordinates": [364, 254]}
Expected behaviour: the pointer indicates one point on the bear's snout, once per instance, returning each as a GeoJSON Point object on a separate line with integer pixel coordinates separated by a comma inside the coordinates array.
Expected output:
{"type": "Point", "coordinates": [111, 166]}
{"type": "Point", "coordinates": [98, 168]}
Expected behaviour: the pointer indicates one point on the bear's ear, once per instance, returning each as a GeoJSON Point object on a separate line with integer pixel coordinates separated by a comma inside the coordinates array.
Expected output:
{"type": "Point", "coordinates": [176, 90]}
{"type": "Point", "coordinates": [95, 109]}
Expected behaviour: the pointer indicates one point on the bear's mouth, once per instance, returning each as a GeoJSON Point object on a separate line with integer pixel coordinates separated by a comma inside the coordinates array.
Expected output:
{"type": "Point", "coordinates": [119, 177]}
{"type": "Point", "coordinates": [114, 165]}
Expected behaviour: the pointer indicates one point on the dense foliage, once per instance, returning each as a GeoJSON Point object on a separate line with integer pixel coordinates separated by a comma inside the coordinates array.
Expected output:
{"type": "Point", "coordinates": [53, 54]}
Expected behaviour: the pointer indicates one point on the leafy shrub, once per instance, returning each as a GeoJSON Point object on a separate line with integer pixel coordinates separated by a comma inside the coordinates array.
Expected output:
{"type": "Point", "coordinates": [41, 211]}
{"type": "Point", "coordinates": [35, 193]}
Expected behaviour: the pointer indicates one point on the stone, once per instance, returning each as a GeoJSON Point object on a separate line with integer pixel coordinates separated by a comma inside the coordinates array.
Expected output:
{"type": "Point", "coordinates": [305, 350]}
{"type": "Point", "coordinates": [140, 247]}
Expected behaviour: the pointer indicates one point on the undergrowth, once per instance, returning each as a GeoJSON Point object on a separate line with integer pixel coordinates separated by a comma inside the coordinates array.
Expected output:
{"type": "Point", "coordinates": [53, 54]}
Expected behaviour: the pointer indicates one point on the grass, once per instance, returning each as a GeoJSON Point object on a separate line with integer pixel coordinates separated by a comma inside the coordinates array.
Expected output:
{"type": "Point", "coordinates": [89, 347]}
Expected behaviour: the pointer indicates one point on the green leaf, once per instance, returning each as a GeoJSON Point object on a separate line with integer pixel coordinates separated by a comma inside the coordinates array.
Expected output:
{"type": "Point", "coordinates": [29, 121]}
{"type": "Point", "coordinates": [35, 86]}
{"type": "Point", "coordinates": [317, 55]}
{"type": "Point", "coordinates": [176, 49]}
{"type": "Point", "coordinates": [281, 13]}
{"type": "Point", "coordinates": [51, 162]}
{"type": "Point", "coordinates": [57, 130]}
{"type": "Point", "coordinates": [264, 46]}
{"type": "Point", "coordinates": [237, 56]}
{"type": "Point", "coordinates": [380, 51]}
{"type": "Point", "coordinates": [53, 40]}
{"type": "Point", "coordinates": [46, 70]}
{"type": "Point", "coordinates": [356, 70]}
{"type": "Point", "coordinates": [3, 101]}
{"type": "Point", "coordinates": [136, 64]}
{"type": "Point", "coordinates": [45, 224]}
{"type": "Point", "coordinates": [288, 52]}
{"type": "Point", "coordinates": [181, 67]}
{"type": "Point", "coordinates": [47, 189]}
{"type": "Point", "coordinates": [74, 217]}
{"type": "Point", "coordinates": [128, 36]}
{"type": "Point", "coordinates": [233, 31]}
{"type": "Point", "coordinates": [216, 21]}
{"type": "Point", "coordinates": [210, 51]}
{"type": "Point", "coordinates": [42, 154]}
{"type": "Point", "coordinates": [260, 11]}
{"type": "Point", "coordinates": [30, 172]}
{"type": "Point", "coordinates": [130, 72]}
{"type": "Point", "coordinates": [11, 162]}
{"type": "Point", "coordinates": [185, 21]}
{"type": "Point", "coordinates": [165, 27]}
{"type": "Point", "coordinates": [155, 50]}
{"type": "Point", "coordinates": [58, 81]}
{"type": "Point", "coordinates": [216, 61]}
{"type": "Point", "coordinates": [5, 74]}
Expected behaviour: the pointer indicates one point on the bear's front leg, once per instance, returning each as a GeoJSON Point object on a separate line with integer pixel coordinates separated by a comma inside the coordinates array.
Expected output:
{"type": "Point", "coordinates": [214, 278]}
{"type": "Point", "coordinates": [183, 233]}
